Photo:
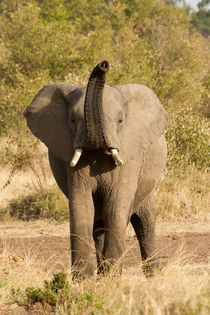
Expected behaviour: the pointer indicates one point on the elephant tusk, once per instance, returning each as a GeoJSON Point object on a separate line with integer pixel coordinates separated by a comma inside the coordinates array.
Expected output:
{"type": "Point", "coordinates": [76, 157]}
{"type": "Point", "coordinates": [116, 157]}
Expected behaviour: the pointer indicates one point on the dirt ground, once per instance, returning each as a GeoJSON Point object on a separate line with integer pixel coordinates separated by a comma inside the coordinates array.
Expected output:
{"type": "Point", "coordinates": [47, 246]}
{"type": "Point", "coordinates": [48, 243]}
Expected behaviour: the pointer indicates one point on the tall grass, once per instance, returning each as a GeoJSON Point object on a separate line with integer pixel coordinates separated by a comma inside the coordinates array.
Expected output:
{"type": "Point", "coordinates": [45, 203]}
{"type": "Point", "coordinates": [183, 194]}
{"type": "Point", "coordinates": [180, 288]}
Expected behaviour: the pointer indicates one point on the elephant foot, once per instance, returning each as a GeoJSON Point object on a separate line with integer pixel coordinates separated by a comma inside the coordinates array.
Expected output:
{"type": "Point", "coordinates": [82, 270]}
{"type": "Point", "coordinates": [110, 266]}
{"type": "Point", "coordinates": [150, 268]}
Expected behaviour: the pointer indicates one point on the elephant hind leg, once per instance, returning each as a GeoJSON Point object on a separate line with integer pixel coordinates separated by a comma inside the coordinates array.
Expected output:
{"type": "Point", "coordinates": [98, 236]}
{"type": "Point", "coordinates": [143, 221]}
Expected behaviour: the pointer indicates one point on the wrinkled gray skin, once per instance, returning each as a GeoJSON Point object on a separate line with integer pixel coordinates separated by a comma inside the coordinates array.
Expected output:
{"type": "Point", "coordinates": [104, 197]}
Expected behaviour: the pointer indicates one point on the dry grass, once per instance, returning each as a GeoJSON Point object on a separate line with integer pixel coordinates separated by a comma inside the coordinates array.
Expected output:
{"type": "Point", "coordinates": [181, 195]}
{"type": "Point", "coordinates": [35, 177]}
{"type": "Point", "coordinates": [184, 195]}
{"type": "Point", "coordinates": [180, 288]}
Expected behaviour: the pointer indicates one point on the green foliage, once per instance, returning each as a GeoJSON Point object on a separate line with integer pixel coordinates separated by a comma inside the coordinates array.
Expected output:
{"type": "Point", "coordinates": [202, 4]}
{"type": "Point", "coordinates": [188, 140]}
{"type": "Point", "coordinates": [206, 96]}
{"type": "Point", "coordinates": [58, 282]}
{"type": "Point", "coordinates": [17, 292]}
{"type": "Point", "coordinates": [88, 299]}
{"type": "Point", "coordinates": [201, 21]}
{"type": "Point", "coordinates": [53, 290]}
{"type": "Point", "coordinates": [46, 203]}
{"type": "Point", "coordinates": [146, 42]}
{"type": "Point", "coordinates": [58, 293]}
{"type": "Point", "coordinates": [34, 295]}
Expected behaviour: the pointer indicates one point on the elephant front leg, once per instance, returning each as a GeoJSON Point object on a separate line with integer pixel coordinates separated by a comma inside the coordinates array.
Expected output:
{"type": "Point", "coordinates": [81, 230]}
{"type": "Point", "coordinates": [117, 208]}
{"type": "Point", "coordinates": [143, 222]}
{"type": "Point", "coordinates": [109, 244]}
{"type": "Point", "coordinates": [115, 224]}
{"type": "Point", "coordinates": [113, 245]}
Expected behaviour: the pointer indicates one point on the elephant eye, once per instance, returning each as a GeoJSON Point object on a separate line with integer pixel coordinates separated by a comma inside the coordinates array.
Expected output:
{"type": "Point", "coordinates": [73, 120]}
{"type": "Point", "coordinates": [120, 120]}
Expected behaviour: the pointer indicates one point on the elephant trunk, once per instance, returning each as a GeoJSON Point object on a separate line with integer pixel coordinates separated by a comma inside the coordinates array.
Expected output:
{"type": "Point", "coordinates": [94, 116]}
{"type": "Point", "coordinates": [96, 126]}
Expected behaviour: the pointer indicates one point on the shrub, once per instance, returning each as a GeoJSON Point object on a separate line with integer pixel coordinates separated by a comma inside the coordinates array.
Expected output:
{"type": "Point", "coordinates": [47, 203]}
{"type": "Point", "coordinates": [188, 140]}
{"type": "Point", "coordinates": [58, 287]}
{"type": "Point", "coordinates": [57, 292]}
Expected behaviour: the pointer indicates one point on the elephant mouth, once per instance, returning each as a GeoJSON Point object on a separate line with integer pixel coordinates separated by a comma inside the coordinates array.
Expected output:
{"type": "Point", "coordinates": [113, 152]}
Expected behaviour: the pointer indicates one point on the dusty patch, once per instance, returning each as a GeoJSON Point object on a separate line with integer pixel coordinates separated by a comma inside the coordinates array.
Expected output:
{"type": "Point", "coordinates": [50, 248]}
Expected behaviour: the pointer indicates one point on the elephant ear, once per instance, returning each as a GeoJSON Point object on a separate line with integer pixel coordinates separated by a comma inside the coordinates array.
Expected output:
{"type": "Point", "coordinates": [146, 119]}
{"type": "Point", "coordinates": [47, 118]}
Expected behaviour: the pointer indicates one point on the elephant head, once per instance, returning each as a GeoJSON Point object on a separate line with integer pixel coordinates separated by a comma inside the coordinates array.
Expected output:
{"type": "Point", "coordinates": [69, 118]}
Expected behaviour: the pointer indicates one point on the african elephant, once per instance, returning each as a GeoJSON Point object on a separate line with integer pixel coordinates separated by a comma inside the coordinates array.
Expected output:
{"type": "Point", "coordinates": [107, 151]}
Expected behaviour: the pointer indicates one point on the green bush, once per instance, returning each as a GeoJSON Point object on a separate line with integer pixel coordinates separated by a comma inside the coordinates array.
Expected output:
{"type": "Point", "coordinates": [188, 140]}
{"type": "Point", "coordinates": [58, 294]}
{"type": "Point", "coordinates": [201, 19]}
{"type": "Point", "coordinates": [47, 203]}
{"type": "Point", "coordinates": [53, 290]}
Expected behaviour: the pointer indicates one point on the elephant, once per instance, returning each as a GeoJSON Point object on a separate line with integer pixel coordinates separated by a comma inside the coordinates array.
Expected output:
{"type": "Point", "coordinates": [107, 151]}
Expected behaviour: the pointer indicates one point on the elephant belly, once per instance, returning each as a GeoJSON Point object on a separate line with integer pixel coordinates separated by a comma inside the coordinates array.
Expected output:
{"type": "Point", "coordinates": [154, 161]}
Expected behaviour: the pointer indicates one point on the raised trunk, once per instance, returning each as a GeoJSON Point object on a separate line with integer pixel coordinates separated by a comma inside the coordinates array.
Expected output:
{"type": "Point", "coordinates": [94, 117]}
